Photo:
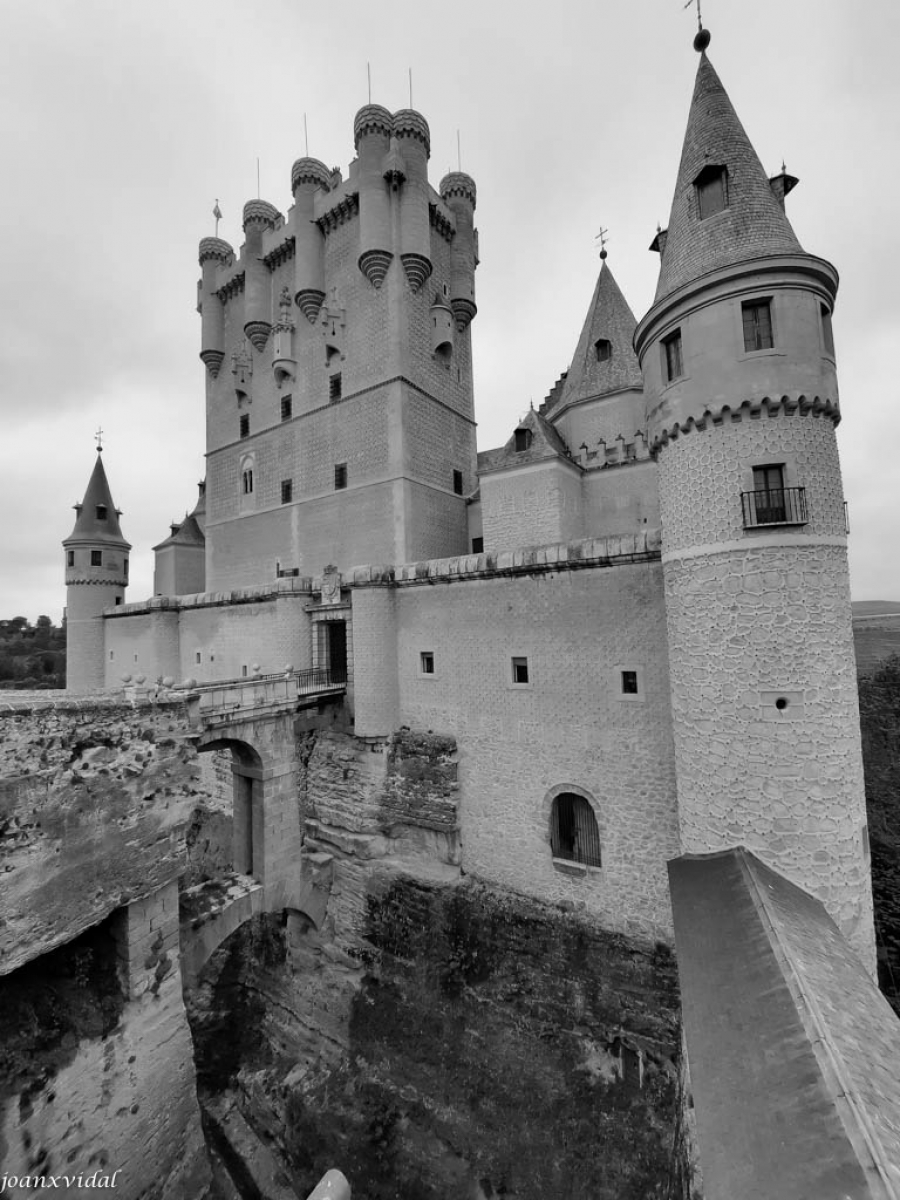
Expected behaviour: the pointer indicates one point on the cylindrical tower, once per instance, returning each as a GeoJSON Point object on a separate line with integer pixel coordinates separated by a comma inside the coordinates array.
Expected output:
{"type": "Point", "coordinates": [414, 141]}
{"type": "Point", "coordinates": [213, 252]}
{"type": "Point", "coordinates": [259, 215]}
{"type": "Point", "coordinates": [372, 129]}
{"type": "Point", "coordinates": [307, 176]}
{"type": "Point", "coordinates": [96, 578]}
{"type": "Point", "coordinates": [458, 193]}
{"type": "Point", "coordinates": [742, 403]}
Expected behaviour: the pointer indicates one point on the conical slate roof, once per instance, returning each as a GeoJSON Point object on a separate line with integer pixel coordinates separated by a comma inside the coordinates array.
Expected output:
{"type": "Point", "coordinates": [610, 318]}
{"type": "Point", "coordinates": [97, 518]}
{"type": "Point", "coordinates": [751, 226]}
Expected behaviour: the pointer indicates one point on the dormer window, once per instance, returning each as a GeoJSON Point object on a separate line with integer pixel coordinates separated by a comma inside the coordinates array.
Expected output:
{"type": "Point", "coordinates": [523, 440]}
{"type": "Point", "coordinates": [603, 349]}
{"type": "Point", "coordinates": [101, 512]}
{"type": "Point", "coordinates": [712, 191]}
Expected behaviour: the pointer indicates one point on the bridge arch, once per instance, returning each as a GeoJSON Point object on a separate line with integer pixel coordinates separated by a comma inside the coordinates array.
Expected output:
{"type": "Point", "coordinates": [248, 806]}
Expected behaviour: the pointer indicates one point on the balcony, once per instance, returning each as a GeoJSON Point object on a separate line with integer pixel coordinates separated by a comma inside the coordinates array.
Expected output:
{"type": "Point", "coordinates": [777, 506]}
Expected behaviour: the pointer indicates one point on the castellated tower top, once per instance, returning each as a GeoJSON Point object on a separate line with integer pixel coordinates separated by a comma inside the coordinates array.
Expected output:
{"type": "Point", "coordinates": [458, 183]}
{"type": "Point", "coordinates": [409, 123]}
{"type": "Point", "coordinates": [310, 170]}
{"type": "Point", "coordinates": [372, 118]}
{"type": "Point", "coordinates": [215, 248]}
{"type": "Point", "coordinates": [260, 211]}
{"type": "Point", "coordinates": [724, 210]}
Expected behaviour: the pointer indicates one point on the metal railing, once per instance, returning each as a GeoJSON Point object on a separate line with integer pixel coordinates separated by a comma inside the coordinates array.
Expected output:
{"type": "Point", "coordinates": [256, 691]}
{"type": "Point", "coordinates": [775, 506]}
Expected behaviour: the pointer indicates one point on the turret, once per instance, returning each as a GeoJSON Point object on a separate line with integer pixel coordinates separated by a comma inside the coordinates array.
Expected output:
{"type": "Point", "coordinates": [259, 216]}
{"type": "Point", "coordinates": [741, 390]}
{"type": "Point", "coordinates": [458, 193]}
{"type": "Point", "coordinates": [213, 253]}
{"type": "Point", "coordinates": [96, 578]}
{"type": "Point", "coordinates": [414, 144]}
{"type": "Point", "coordinates": [372, 130]}
{"type": "Point", "coordinates": [308, 176]}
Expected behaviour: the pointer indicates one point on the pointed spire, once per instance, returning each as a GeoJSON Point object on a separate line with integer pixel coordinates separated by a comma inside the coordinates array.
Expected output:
{"type": "Point", "coordinates": [752, 223]}
{"type": "Point", "coordinates": [97, 518]}
{"type": "Point", "coordinates": [598, 369]}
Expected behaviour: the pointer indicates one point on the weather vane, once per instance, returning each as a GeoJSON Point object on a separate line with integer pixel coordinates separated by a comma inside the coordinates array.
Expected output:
{"type": "Point", "coordinates": [701, 38]}
{"type": "Point", "coordinates": [603, 239]}
{"type": "Point", "coordinates": [217, 213]}
{"type": "Point", "coordinates": [699, 14]}
{"type": "Point", "coordinates": [98, 435]}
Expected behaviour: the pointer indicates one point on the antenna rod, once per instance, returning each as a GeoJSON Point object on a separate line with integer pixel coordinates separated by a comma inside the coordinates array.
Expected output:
{"type": "Point", "coordinates": [410, 88]}
{"type": "Point", "coordinates": [458, 153]}
{"type": "Point", "coordinates": [257, 178]}
{"type": "Point", "coordinates": [305, 136]}
{"type": "Point", "coordinates": [369, 73]}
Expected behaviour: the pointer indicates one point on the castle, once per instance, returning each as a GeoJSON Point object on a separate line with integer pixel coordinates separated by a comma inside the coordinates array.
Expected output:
{"type": "Point", "coordinates": [633, 617]}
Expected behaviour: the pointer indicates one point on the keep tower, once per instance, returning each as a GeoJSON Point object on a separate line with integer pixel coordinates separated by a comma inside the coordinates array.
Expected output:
{"type": "Point", "coordinates": [337, 346]}
{"type": "Point", "coordinates": [96, 578]}
{"type": "Point", "coordinates": [742, 402]}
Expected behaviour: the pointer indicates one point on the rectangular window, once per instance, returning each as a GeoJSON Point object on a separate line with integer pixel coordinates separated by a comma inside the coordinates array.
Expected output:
{"type": "Point", "coordinates": [197, 657]}
{"type": "Point", "coordinates": [287, 407]}
{"type": "Point", "coordinates": [247, 481]}
{"type": "Point", "coordinates": [96, 558]}
{"type": "Point", "coordinates": [769, 494]}
{"type": "Point", "coordinates": [101, 512]}
{"type": "Point", "coordinates": [334, 386]}
{"type": "Point", "coordinates": [478, 545]}
{"type": "Point", "coordinates": [112, 655]}
{"type": "Point", "coordinates": [245, 425]}
{"type": "Point", "coordinates": [287, 491]}
{"type": "Point", "coordinates": [426, 662]}
{"type": "Point", "coordinates": [458, 482]}
{"type": "Point", "coordinates": [520, 670]}
{"type": "Point", "coordinates": [340, 476]}
{"type": "Point", "coordinates": [827, 332]}
{"type": "Point", "coordinates": [244, 671]}
{"type": "Point", "coordinates": [757, 317]}
{"type": "Point", "coordinates": [674, 363]}
{"type": "Point", "coordinates": [629, 683]}
{"type": "Point", "coordinates": [70, 558]}
{"type": "Point", "coordinates": [118, 599]}
{"type": "Point", "coordinates": [711, 191]}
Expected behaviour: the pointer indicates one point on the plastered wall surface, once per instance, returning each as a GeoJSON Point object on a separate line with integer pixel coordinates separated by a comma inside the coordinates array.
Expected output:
{"type": "Point", "coordinates": [566, 727]}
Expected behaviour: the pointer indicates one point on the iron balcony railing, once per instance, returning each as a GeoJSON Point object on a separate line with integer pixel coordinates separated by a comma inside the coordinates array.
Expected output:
{"type": "Point", "coordinates": [776, 506]}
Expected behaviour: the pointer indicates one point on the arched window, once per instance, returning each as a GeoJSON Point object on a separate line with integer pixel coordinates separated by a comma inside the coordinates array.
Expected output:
{"type": "Point", "coordinates": [573, 830]}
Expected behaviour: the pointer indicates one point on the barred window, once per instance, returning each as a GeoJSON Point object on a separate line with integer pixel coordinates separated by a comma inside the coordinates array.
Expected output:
{"type": "Point", "coordinates": [573, 830]}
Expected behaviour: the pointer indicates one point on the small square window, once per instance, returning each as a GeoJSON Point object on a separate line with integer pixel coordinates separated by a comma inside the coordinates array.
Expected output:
{"type": "Point", "coordinates": [287, 491]}
{"type": "Point", "coordinates": [426, 662]}
{"type": "Point", "coordinates": [118, 599]}
{"type": "Point", "coordinates": [334, 386]}
{"type": "Point", "coordinates": [520, 670]}
{"type": "Point", "coordinates": [101, 512]}
{"type": "Point", "coordinates": [478, 545]}
{"type": "Point", "coordinates": [340, 476]}
{"type": "Point", "coordinates": [523, 439]}
{"type": "Point", "coordinates": [672, 356]}
{"type": "Point", "coordinates": [629, 683]}
{"type": "Point", "coordinates": [70, 558]}
{"type": "Point", "coordinates": [287, 407]}
{"type": "Point", "coordinates": [603, 349]}
{"type": "Point", "coordinates": [757, 318]}
{"type": "Point", "coordinates": [458, 482]}
{"type": "Point", "coordinates": [96, 558]}
{"type": "Point", "coordinates": [245, 425]}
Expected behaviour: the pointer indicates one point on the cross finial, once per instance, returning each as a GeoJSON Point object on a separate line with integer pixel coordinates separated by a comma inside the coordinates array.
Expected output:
{"type": "Point", "coordinates": [699, 14]}
{"type": "Point", "coordinates": [217, 213]}
{"type": "Point", "coordinates": [99, 435]}
{"type": "Point", "coordinates": [603, 239]}
{"type": "Point", "coordinates": [702, 37]}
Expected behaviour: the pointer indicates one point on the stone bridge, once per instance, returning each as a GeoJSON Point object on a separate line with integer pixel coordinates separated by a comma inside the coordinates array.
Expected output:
{"type": "Point", "coordinates": [257, 719]}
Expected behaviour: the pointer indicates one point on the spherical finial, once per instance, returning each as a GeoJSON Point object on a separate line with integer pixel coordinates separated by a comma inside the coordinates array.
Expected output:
{"type": "Point", "coordinates": [702, 40]}
{"type": "Point", "coordinates": [603, 254]}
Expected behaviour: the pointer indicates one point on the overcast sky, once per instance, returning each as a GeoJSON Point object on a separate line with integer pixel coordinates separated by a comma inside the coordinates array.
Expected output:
{"type": "Point", "coordinates": [123, 122]}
